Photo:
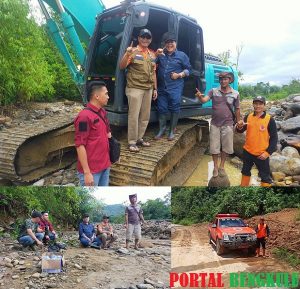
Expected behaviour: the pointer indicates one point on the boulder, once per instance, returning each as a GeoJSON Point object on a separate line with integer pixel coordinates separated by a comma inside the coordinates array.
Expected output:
{"type": "Point", "coordinates": [238, 143]}
{"type": "Point", "coordinates": [292, 124]}
{"type": "Point", "coordinates": [290, 152]}
{"type": "Point", "coordinates": [278, 176]}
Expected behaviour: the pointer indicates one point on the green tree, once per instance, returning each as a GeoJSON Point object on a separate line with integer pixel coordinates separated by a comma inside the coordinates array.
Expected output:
{"type": "Point", "coordinates": [24, 72]}
{"type": "Point", "coordinates": [156, 209]}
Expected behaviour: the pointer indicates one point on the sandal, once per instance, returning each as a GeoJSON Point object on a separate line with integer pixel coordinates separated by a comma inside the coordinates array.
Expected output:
{"type": "Point", "coordinates": [133, 148]}
{"type": "Point", "coordinates": [142, 143]}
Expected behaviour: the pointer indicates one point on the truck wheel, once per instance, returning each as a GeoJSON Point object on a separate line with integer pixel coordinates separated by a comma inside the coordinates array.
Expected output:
{"type": "Point", "coordinates": [219, 248]}
{"type": "Point", "coordinates": [251, 251]}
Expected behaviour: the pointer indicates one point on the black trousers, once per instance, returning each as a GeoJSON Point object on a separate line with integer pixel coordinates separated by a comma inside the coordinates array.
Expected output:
{"type": "Point", "coordinates": [261, 241]}
{"type": "Point", "coordinates": [263, 167]}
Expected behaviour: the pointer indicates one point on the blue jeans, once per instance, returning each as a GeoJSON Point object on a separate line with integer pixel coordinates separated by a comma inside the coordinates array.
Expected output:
{"type": "Point", "coordinates": [85, 242]}
{"type": "Point", "coordinates": [100, 179]}
{"type": "Point", "coordinates": [27, 240]}
{"type": "Point", "coordinates": [52, 237]}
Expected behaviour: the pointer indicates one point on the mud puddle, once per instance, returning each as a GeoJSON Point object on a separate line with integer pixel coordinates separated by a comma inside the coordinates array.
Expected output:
{"type": "Point", "coordinates": [203, 172]}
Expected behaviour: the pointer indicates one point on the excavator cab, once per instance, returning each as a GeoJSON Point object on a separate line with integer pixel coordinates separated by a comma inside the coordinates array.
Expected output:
{"type": "Point", "coordinates": [117, 27]}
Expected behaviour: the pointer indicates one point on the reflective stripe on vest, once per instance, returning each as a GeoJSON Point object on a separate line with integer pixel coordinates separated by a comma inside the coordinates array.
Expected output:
{"type": "Point", "coordinates": [262, 231]}
{"type": "Point", "coordinates": [257, 135]}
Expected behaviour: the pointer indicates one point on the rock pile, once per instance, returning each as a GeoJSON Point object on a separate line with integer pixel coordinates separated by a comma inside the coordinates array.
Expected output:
{"type": "Point", "coordinates": [157, 229]}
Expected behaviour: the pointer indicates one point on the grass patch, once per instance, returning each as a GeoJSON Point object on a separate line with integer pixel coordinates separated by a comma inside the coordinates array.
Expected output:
{"type": "Point", "coordinates": [287, 256]}
{"type": "Point", "coordinates": [186, 222]}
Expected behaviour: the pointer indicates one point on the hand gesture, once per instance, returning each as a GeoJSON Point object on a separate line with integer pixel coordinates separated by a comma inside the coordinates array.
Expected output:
{"type": "Point", "coordinates": [240, 124]}
{"type": "Point", "coordinates": [198, 93]}
{"type": "Point", "coordinates": [159, 51]}
{"type": "Point", "coordinates": [130, 49]}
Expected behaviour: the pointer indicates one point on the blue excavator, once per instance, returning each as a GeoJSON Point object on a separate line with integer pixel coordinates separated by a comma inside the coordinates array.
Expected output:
{"type": "Point", "coordinates": [92, 41]}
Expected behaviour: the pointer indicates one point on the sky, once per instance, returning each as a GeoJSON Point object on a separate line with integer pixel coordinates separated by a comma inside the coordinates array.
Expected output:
{"type": "Point", "coordinates": [119, 195]}
{"type": "Point", "coordinates": [268, 31]}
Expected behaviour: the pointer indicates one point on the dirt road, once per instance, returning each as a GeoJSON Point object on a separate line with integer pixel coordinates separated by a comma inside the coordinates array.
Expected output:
{"type": "Point", "coordinates": [191, 252]}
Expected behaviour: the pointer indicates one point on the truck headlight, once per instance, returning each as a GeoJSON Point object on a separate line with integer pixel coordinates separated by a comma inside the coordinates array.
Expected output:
{"type": "Point", "coordinates": [254, 237]}
{"type": "Point", "coordinates": [225, 237]}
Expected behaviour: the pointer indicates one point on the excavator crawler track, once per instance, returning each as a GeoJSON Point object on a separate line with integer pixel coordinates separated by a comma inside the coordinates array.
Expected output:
{"type": "Point", "coordinates": [27, 153]}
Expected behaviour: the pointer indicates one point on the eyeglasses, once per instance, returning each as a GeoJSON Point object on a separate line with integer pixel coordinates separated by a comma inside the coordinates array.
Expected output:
{"type": "Point", "coordinates": [146, 36]}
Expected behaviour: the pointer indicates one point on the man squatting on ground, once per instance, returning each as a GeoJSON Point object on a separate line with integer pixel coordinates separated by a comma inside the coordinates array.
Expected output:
{"type": "Point", "coordinates": [30, 233]}
{"type": "Point", "coordinates": [87, 234]}
{"type": "Point", "coordinates": [262, 233]}
{"type": "Point", "coordinates": [47, 228]}
{"type": "Point", "coordinates": [133, 220]}
{"type": "Point", "coordinates": [261, 142]}
{"type": "Point", "coordinates": [105, 233]}
{"type": "Point", "coordinates": [225, 105]}
{"type": "Point", "coordinates": [92, 132]}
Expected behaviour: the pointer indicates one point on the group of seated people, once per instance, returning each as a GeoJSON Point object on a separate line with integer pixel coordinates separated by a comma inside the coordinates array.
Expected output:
{"type": "Point", "coordinates": [38, 230]}
{"type": "Point", "coordinates": [100, 237]}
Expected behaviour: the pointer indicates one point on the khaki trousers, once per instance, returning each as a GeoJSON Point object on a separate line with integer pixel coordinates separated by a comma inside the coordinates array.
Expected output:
{"type": "Point", "coordinates": [139, 104]}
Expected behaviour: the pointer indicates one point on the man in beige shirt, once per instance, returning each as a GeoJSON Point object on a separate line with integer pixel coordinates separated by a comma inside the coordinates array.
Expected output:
{"type": "Point", "coordinates": [105, 233]}
{"type": "Point", "coordinates": [140, 89]}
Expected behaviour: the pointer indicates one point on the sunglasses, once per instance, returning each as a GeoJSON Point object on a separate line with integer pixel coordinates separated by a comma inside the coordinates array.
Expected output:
{"type": "Point", "coordinates": [146, 36]}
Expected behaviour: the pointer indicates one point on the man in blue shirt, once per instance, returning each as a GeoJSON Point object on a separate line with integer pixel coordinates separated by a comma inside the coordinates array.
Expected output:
{"type": "Point", "coordinates": [87, 234]}
{"type": "Point", "coordinates": [173, 67]}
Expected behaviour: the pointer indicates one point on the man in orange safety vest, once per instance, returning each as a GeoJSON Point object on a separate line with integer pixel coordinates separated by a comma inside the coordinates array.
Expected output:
{"type": "Point", "coordinates": [262, 232]}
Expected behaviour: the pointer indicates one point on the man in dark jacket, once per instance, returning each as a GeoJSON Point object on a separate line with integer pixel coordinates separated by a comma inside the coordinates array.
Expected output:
{"type": "Point", "coordinates": [173, 66]}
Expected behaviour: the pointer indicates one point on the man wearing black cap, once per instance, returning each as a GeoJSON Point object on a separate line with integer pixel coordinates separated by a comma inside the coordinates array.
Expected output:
{"type": "Point", "coordinates": [87, 235]}
{"type": "Point", "coordinates": [173, 67]}
{"type": "Point", "coordinates": [30, 233]}
{"type": "Point", "coordinates": [92, 132]}
{"type": "Point", "coordinates": [140, 89]}
{"type": "Point", "coordinates": [261, 142]}
{"type": "Point", "coordinates": [226, 109]}
{"type": "Point", "coordinates": [133, 220]}
{"type": "Point", "coordinates": [105, 232]}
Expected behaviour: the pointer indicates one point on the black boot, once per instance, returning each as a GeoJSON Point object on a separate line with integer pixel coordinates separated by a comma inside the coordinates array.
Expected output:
{"type": "Point", "coordinates": [162, 118]}
{"type": "Point", "coordinates": [173, 124]}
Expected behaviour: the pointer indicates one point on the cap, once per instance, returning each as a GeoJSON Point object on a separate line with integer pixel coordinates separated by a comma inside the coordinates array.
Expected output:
{"type": "Point", "coordinates": [132, 196]}
{"type": "Point", "coordinates": [36, 214]}
{"type": "Point", "coordinates": [145, 32]}
{"type": "Point", "coordinates": [168, 36]}
{"type": "Point", "coordinates": [259, 98]}
{"type": "Point", "coordinates": [225, 74]}
{"type": "Point", "coordinates": [105, 217]}
{"type": "Point", "coordinates": [85, 216]}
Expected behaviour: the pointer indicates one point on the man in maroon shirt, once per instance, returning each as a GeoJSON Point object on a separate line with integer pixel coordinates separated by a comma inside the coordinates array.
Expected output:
{"type": "Point", "coordinates": [47, 227]}
{"type": "Point", "coordinates": [225, 104]}
{"type": "Point", "coordinates": [91, 138]}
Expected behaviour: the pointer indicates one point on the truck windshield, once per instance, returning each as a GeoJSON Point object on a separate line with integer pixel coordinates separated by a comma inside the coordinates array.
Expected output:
{"type": "Point", "coordinates": [232, 223]}
{"type": "Point", "coordinates": [108, 43]}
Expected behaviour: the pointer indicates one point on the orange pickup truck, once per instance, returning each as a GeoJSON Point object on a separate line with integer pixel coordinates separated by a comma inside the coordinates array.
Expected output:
{"type": "Point", "coordinates": [229, 231]}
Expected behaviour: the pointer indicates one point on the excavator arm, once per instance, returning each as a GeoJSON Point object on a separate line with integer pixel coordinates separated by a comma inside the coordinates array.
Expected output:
{"type": "Point", "coordinates": [74, 26]}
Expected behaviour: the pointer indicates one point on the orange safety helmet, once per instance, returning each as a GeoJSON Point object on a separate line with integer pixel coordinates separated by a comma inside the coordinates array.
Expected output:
{"type": "Point", "coordinates": [226, 74]}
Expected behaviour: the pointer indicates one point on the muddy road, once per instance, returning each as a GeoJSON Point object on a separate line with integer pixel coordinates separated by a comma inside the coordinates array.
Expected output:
{"type": "Point", "coordinates": [191, 252]}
